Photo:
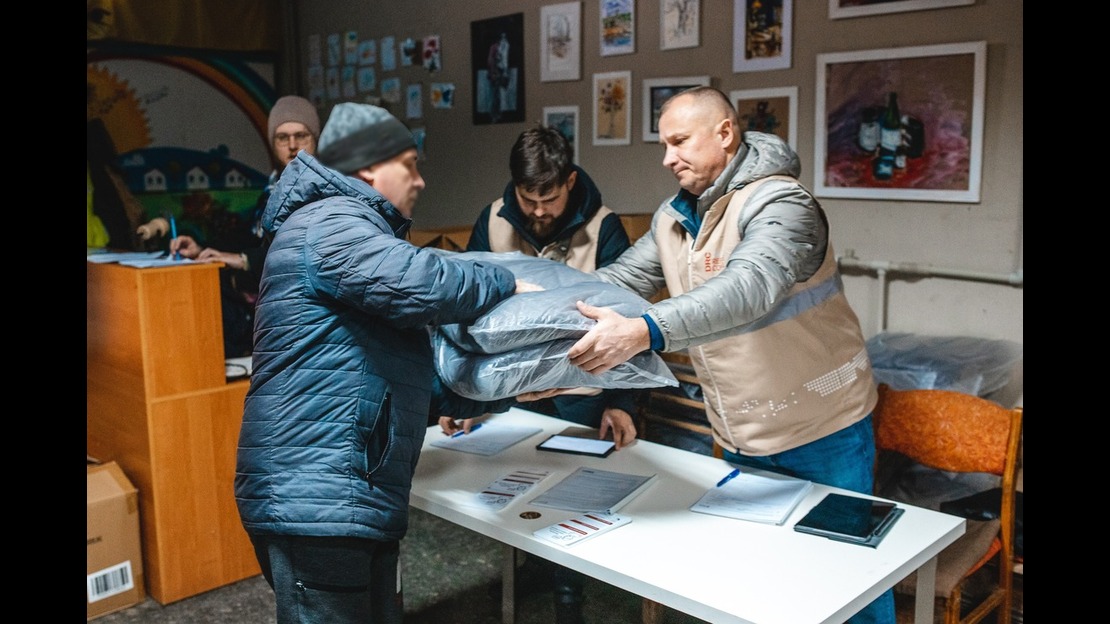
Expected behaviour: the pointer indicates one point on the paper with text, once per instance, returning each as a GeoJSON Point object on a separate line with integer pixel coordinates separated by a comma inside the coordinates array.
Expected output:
{"type": "Point", "coordinates": [756, 497]}
{"type": "Point", "coordinates": [491, 439]}
{"type": "Point", "coordinates": [590, 489]}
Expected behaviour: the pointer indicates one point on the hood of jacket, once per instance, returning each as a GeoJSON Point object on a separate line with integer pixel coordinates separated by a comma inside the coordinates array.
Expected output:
{"type": "Point", "coordinates": [760, 155]}
{"type": "Point", "coordinates": [306, 180]}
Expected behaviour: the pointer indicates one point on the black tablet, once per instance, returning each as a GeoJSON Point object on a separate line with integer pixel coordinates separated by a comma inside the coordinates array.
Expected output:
{"type": "Point", "coordinates": [850, 519]}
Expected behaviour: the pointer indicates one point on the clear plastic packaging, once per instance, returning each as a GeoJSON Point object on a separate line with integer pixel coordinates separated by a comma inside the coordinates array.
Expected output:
{"type": "Point", "coordinates": [976, 366]}
{"type": "Point", "coordinates": [521, 344]}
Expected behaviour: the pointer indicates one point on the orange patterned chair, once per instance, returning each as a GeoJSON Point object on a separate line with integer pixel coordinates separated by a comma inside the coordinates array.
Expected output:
{"type": "Point", "coordinates": [962, 433]}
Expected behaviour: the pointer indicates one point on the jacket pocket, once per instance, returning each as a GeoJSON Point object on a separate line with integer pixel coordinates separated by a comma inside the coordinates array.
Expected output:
{"type": "Point", "coordinates": [379, 439]}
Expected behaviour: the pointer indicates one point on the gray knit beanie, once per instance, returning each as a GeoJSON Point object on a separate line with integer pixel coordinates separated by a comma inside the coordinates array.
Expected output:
{"type": "Point", "coordinates": [360, 135]}
{"type": "Point", "coordinates": [294, 108]}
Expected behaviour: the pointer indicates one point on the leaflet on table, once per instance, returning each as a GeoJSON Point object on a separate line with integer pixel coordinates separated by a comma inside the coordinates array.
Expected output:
{"type": "Point", "coordinates": [490, 439]}
{"type": "Point", "coordinates": [155, 262]}
{"type": "Point", "coordinates": [581, 528]}
{"type": "Point", "coordinates": [590, 489]}
{"type": "Point", "coordinates": [756, 497]}
{"type": "Point", "coordinates": [120, 256]}
{"type": "Point", "coordinates": [500, 493]}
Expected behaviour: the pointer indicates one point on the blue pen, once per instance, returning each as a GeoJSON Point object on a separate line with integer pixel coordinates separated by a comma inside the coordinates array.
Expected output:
{"type": "Point", "coordinates": [472, 430]}
{"type": "Point", "coordinates": [173, 235]}
{"type": "Point", "coordinates": [729, 477]}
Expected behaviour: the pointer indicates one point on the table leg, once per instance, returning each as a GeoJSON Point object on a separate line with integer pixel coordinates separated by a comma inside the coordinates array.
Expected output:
{"type": "Point", "coordinates": [508, 585]}
{"type": "Point", "coordinates": [651, 612]}
{"type": "Point", "coordinates": [926, 589]}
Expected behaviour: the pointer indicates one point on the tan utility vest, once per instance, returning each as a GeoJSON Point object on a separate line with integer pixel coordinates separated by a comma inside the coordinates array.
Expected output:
{"type": "Point", "coordinates": [580, 251]}
{"type": "Point", "coordinates": [785, 383]}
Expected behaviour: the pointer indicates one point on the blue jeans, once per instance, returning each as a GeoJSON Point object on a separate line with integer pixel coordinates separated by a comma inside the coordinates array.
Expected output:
{"type": "Point", "coordinates": [331, 580]}
{"type": "Point", "coordinates": [845, 460]}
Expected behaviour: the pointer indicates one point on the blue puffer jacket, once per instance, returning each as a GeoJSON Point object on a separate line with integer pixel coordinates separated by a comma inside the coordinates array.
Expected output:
{"type": "Point", "coordinates": [338, 402]}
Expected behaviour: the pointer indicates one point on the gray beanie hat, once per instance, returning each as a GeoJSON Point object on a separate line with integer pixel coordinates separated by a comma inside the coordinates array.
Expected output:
{"type": "Point", "coordinates": [360, 135]}
{"type": "Point", "coordinates": [294, 108]}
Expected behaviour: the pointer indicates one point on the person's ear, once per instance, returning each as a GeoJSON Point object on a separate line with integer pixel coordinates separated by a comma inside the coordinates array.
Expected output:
{"type": "Point", "coordinates": [727, 132]}
{"type": "Point", "coordinates": [571, 180]}
{"type": "Point", "coordinates": [366, 174]}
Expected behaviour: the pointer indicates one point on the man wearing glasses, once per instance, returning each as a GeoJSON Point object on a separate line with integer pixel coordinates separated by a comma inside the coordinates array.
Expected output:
{"type": "Point", "coordinates": [294, 125]}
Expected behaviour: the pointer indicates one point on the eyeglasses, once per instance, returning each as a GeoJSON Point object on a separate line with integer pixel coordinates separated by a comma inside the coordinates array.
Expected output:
{"type": "Point", "coordinates": [299, 138]}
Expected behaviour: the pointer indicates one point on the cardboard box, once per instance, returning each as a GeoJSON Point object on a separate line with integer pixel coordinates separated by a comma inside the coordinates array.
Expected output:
{"type": "Point", "coordinates": [114, 552]}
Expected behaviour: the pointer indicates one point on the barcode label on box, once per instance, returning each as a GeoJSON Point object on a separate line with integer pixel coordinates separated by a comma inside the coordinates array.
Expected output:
{"type": "Point", "coordinates": [110, 581]}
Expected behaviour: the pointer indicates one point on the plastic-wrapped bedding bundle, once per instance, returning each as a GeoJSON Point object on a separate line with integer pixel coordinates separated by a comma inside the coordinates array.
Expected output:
{"type": "Point", "coordinates": [543, 366]}
{"type": "Point", "coordinates": [521, 344]}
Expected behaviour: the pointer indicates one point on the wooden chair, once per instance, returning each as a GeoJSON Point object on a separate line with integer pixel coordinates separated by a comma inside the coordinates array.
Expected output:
{"type": "Point", "coordinates": [672, 408]}
{"type": "Point", "coordinates": [959, 432]}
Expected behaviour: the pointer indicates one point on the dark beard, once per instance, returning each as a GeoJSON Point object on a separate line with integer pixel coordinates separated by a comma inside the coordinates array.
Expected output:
{"type": "Point", "coordinates": [541, 230]}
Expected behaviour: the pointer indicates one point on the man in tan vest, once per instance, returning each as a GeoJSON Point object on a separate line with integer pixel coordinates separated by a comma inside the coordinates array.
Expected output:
{"type": "Point", "coordinates": [552, 209]}
{"type": "Point", "coordinates": [757, 301]}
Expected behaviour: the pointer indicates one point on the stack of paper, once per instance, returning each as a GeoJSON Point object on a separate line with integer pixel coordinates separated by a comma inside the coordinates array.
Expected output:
{"type": "Point", "coordinates": [756, 497]}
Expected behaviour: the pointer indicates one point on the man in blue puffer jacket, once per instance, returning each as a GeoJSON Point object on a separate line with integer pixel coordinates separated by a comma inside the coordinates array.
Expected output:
{"type": "Point", "coordinates": [343, 375]}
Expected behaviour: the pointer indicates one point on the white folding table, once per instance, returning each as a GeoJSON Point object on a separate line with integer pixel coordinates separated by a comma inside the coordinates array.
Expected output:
{"type": "Point", "coordinates": [719, 569]}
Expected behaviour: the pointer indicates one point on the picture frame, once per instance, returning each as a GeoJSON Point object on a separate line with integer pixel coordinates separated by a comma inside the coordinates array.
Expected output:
{"type": "Point", "coordinates": [561, 42]}
{"type": "Point", "coordinates": [497, 60]}
{"type": "Point", "coordinates": [658, 90]}
{"type": "Point", "coordinates": [565, 120]}
{"type": "Point", "coordinates": [617, 27]}
{"type": "Point", "coordinates": [940, 94]}
{"type": "Point", "coordinates": [773, 110]}
{"type": "Point", "coordinates": [612, 108]}
{"type": "Point", "coordinates": [840, 9]}
{"type": "Point", "coordinates": [679, 24]}
{"type": "Point", "coordinates": [762, 35]}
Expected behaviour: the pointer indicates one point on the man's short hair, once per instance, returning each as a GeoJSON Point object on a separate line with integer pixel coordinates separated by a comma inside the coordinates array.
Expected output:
{"type": "Point", "coordinates": [541, 159]}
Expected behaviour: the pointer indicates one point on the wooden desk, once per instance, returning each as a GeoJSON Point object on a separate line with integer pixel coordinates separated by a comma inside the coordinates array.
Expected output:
{"type": "Point", "coordinates": [157, 402]}
{"type": "Point", "coordinates": [719, 569]}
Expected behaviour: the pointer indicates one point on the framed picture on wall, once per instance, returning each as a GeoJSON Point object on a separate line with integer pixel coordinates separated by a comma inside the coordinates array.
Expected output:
{"type": "Point", "coordinates": [561, 42]}
{"type": "Point", "coordinates": [656, 91]}
{"type": "Point", "coordinates": [858, 8]}
{"type": "Point", "coordinates": [930, 97]}
{"type": "Point", "coordinates": [763, 35]}
{"type": "Point", "coordinates": [613, 108]}
{"type": "Point", "coordinates": [618, 27]}
{"type": "Point", "coordinates": [679, 24]}
{"type": "Point", "coordinates": [774, 111]}
{"type": "Point", "coordinates": [497, 59]}
{"type": "Point", "coordinates": [565, 120]}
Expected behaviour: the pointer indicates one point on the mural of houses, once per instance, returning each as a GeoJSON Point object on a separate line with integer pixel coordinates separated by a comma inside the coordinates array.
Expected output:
{"type": "Point", "coordinates": [179, 170]}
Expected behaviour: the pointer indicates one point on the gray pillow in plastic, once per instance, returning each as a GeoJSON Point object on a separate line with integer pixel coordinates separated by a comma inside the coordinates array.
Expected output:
{"type": "Point", "coordinates": [532, 368]}
{"type": "Point", "coordinates": [521, 344]}
{"type": "Point", "coordinates": [538, 317]}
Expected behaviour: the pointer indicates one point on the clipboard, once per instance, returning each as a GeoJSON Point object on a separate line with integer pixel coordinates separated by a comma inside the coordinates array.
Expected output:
{"type": "Point", "coordinates": [851, 519]}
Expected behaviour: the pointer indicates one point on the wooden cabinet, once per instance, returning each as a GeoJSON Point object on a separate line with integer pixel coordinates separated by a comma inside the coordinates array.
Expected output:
{"type": "Point", "coordinates": [159, 405]}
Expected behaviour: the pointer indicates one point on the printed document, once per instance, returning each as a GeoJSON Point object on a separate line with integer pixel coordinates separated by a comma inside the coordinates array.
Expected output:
{"type": "Point", "coordinates": [756, 497]}
{"type": "Point", "coordinates": [490, 439]}
{"type": "Point", "coordinates": [590, 489]}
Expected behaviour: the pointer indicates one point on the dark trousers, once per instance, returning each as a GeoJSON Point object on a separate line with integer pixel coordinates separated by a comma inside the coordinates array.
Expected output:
{"type": "Point", "coordinates": [332, 580]}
